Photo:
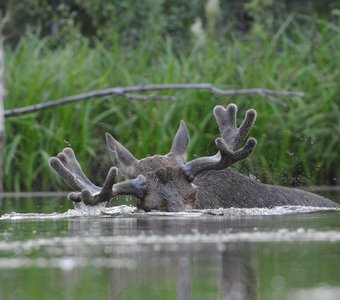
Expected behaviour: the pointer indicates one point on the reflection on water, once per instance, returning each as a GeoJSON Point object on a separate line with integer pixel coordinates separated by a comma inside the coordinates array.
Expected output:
{"type": "Point", "coordinates": [48, 250]}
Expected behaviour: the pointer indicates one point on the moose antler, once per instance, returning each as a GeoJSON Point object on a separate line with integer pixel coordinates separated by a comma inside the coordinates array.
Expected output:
{"type": "Point", "coordinates": [226, 120]}
{"type": "Point", "coordinates": [68, 168]}
{"type": "Point", "coordinates": [232, 138]}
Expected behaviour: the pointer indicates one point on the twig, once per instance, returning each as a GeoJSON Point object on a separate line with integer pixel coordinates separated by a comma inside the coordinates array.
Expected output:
{"type": "Point", "coordinates": [129, 93]}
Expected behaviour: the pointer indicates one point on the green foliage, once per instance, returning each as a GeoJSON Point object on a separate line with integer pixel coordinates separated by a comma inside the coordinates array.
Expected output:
{"type": "Point", "coordinates": [132, 21]}
{"type": "Point", "coordinates": [297, 145]}
{"type": "Point", "coordinates": [126, 21]}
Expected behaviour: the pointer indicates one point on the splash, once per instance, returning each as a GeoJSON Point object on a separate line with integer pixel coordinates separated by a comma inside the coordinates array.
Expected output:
{"type": "Point", "coordinates": [275, 211]}
{"type": "Point", "coordinates": [82, 210]}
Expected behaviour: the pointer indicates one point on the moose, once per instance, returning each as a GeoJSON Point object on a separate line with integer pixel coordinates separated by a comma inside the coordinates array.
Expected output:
{"type": "Point", "coordinates": [170, 183]}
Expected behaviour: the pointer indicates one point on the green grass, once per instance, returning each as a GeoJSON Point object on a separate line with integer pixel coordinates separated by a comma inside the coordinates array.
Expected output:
{"type": "Point", "coordinates": [297, 144]}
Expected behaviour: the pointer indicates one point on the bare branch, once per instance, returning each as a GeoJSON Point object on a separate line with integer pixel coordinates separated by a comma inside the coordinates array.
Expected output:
{"type": "Point", "coordinates": [129, 93]}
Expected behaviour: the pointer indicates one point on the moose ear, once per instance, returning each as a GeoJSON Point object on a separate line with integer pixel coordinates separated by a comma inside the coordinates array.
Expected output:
{"type": "Point", "coordinates": [121, 157]}
{"type": "Point", "coordinates": [180, 143]}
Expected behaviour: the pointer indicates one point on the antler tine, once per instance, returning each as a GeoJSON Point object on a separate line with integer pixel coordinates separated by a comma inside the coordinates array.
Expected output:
{"type": "Point", "coordinates": [98, 195]}
{"type": "Point", "coordinates": [68, 168]}
{"type": "Point", "coordinates": [232, 138]}
{"type": "Point", "coordinates": [135, 187]}
{"type": "Point", "coordinates": [221, 160]}
{"type": "Point", "coordinates": [228, 156]}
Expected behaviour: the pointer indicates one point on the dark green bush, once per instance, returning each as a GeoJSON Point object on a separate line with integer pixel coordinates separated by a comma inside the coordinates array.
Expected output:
{"type": "Point", "coordinates": [131, 21]}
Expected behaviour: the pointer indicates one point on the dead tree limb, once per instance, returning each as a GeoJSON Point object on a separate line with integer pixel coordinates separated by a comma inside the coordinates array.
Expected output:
{"type": "Point", "coordinates": [130, 94]}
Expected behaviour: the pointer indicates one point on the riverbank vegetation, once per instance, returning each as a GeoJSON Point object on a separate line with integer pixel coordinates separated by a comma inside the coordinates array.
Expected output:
{"type": "Point", "coordinates": [298, 139]}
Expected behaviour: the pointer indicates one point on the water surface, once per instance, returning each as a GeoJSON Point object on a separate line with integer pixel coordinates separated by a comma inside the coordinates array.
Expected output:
{"type": "Point", "coordinates": [50, 250]}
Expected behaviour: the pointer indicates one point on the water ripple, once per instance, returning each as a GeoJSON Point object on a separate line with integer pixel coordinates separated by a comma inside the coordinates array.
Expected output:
{"type": "Point", "coordinates": [280, 235]}
{"type": "Point", "coordinates": [66, 263]}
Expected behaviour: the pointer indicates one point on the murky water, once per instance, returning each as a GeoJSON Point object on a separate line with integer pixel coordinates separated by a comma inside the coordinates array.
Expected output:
{"type": "Point", "coordinates": [49, 250]}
